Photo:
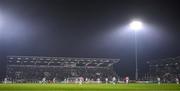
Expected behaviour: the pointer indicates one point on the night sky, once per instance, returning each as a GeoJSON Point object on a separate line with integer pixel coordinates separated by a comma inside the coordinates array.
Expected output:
{"type": "Point", "coordinates": [90, 28]}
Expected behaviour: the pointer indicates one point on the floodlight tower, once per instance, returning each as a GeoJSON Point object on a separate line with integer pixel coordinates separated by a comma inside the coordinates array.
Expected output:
{"type": "Point", "coordinates": [136, 26]}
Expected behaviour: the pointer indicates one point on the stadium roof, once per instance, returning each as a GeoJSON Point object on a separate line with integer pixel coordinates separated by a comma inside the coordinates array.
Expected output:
{"type": "Point", "coordinates": [60, 61]}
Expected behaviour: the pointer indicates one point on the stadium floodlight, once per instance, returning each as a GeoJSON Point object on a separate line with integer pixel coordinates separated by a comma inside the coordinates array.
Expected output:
{"type": "Point", "coordinates": [136, 26]}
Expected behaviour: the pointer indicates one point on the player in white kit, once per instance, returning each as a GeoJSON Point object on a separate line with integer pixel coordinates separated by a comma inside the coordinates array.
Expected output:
{"type": "Point", "coordinates": [5, 80]}
{"type": "Point", "coordinates": [87, 80]}
{"type": "Point", "coordinates": [98, 80]}
{"type": "Point", "coordinates": [127, 79]}
{"type": "Point", "coordinates": [54, 80]}
{"type": "Point", "coordinates": [44, 80]}
{"type": "Point", "coordinates": [106, 80]}
{"type": "Point", "coordinates": [80, 80]}
{"type": "Point", "coordinates": [114, 80]}
{"type": "Point", "coordinates": [76, 80]}
{"type": "Point", "coordinates": [159, 80]}
{"type": "Point", "coordinates": [177, 81]}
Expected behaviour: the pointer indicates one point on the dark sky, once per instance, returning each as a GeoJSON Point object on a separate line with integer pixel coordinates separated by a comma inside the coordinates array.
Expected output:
{"type": "Point", "coordinates": [89, 28]}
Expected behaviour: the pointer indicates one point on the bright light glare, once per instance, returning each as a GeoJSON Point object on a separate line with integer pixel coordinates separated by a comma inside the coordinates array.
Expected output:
{"type": "Point", "coordinates": [136, 25]}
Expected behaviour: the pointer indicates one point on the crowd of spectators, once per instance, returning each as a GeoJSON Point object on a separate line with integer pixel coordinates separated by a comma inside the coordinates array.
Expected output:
{"type": "Point", "coordinates": [34, 69]}
{"type": "Point", "coordinates": [168, 70]}
{"type": "Point", "coordinates": [35, 74]}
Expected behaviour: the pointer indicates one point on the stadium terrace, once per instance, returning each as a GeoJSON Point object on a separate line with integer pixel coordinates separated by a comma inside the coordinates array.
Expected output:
{"type": "Point", "coordinates": [35, 69]}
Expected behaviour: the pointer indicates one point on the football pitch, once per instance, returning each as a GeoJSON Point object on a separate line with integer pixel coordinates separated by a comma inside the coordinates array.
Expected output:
{"type": "Point", "coordinates": [89, 87]}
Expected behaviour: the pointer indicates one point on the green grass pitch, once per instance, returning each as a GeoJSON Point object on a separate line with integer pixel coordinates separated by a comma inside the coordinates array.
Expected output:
{"type": "Point", "coordinates": [89, 87]}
